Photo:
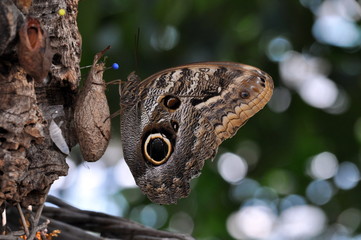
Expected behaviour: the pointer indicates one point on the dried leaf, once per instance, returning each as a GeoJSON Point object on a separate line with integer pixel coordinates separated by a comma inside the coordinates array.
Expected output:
{"type": "Point", "coordinates": [91, 115]}
{"type": "Point", "coordinates": [34, 51]}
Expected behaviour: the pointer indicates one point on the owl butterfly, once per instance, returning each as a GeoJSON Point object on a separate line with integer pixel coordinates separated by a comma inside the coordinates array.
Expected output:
{"type": "Point", "coordinates": [175, 119]}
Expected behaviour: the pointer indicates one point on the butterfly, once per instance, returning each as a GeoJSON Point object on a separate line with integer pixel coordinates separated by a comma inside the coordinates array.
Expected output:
{"type": "Point", "coordinates": [174, 120]}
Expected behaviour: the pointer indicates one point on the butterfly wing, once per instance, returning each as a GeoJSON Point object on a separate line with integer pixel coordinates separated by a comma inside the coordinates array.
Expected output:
{"type": "Point", "coordinates": [176, 119]}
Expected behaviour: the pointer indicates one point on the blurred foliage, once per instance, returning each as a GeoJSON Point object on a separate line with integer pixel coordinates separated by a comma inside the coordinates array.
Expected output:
{"type": "Point", "coordinates": [173, 32]}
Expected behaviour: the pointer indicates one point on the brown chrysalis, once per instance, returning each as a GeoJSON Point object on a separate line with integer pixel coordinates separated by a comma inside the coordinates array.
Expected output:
{"type": "Point", "coordinates": [91, 115]}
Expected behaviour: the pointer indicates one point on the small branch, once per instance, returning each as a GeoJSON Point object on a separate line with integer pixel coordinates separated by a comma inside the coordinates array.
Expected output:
{"type": "Point", "coordinates": [23, 221]}
{"type": "Point", "coordinates": [58, 202]}
{"type": "Point", "coordinates": [77, 222]}
{"type": "Point", "coordinates": [36, 229]}
{"type": "Point", "coordinates": [70, 232]}
{"type": "Point", "coordinates": [9, 237]}
{"type": "Point", "coordinates": [39, 211]}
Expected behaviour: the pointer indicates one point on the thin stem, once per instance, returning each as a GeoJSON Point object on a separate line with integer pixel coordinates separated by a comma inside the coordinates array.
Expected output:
{"type": "Point", "coordinates": [26, 229]}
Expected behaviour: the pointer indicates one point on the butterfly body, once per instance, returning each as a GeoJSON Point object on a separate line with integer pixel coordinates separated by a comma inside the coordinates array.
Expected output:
{"type": "Point", "coordinates": [175, 120]}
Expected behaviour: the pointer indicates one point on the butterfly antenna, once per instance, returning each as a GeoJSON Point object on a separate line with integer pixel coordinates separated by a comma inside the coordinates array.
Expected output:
{"type": "Point", "coordinates": [115, 82]}
{"type": "Point", "coordinates": [113, 115]}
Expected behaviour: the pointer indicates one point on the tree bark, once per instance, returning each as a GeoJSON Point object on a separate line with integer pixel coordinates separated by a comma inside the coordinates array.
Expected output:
{"type": "Point", "coordinates": [40, 52]}
{"type": "Point", "coordinates": [29, 160]}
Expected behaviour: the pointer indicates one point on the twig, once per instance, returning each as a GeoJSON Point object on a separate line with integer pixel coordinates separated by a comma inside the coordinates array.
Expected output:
{"type": "Point", "coordinates": [70, 232]}
{"type": "Point", "coordinates": [9, 237]}
{"type": "Point", "coordinates": [38, 228]}
{"type": "Point", "coordinates": [17, 233]}
{"type": "Point", "coordinates": [61, 204]}
{"type": "Point", "coordinates": [37, 218]}
{"type": "Point", "coordinates": [75, 222]}
{"type": "Point", "coordinates": [23, 221]}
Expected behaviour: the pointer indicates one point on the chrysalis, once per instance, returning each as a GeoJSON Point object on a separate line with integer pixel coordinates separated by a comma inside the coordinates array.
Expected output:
{"type": "Point", "coordinates": [91, 115]}
{"type": "Point", "coordinates": [56, 136]}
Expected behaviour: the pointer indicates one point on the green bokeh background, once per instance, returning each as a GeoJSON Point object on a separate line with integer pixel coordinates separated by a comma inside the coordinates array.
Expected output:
{"type": "Point", "coordinates": [238, 31]}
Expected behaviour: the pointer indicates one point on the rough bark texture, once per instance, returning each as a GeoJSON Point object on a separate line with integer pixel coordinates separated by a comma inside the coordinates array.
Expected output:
{"type": "Point", "coordinates": [29, 161]}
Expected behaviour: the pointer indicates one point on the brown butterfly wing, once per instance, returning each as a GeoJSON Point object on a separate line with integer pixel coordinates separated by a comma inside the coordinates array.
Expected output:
{"type": "Point", "coordinates": [174, 120]}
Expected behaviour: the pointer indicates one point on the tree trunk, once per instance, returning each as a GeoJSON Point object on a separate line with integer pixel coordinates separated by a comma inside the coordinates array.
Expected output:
{"type": "Point", "coordinates": [29, 160]}
{"type": "Point", "coordinates": [40, 52]}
